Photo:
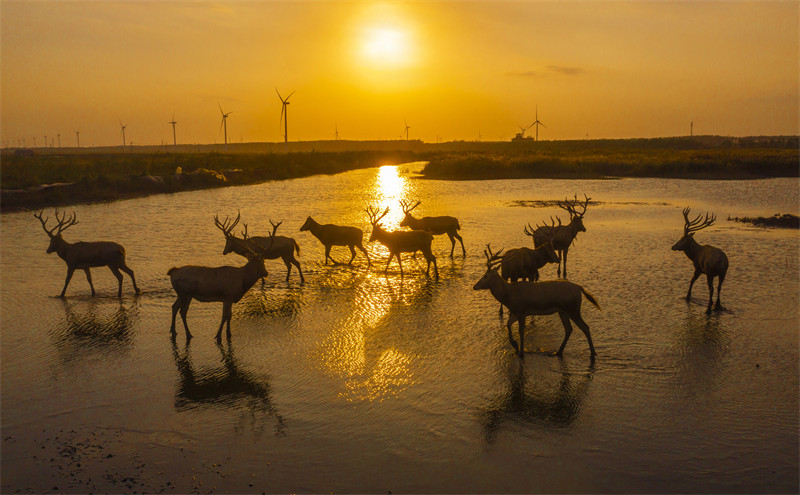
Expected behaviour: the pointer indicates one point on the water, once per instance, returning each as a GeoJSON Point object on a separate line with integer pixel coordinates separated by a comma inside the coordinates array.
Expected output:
{"type": "Point", "coordinates": [364, 382]}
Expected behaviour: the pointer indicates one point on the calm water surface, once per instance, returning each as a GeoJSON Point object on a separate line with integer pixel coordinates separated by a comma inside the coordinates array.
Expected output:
{"type": "Point", "coordinates": [360, 381]}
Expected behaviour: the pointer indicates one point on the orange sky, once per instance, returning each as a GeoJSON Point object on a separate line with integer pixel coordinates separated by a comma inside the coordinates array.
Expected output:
{"type": "Point", "coordinates": [452, 70]}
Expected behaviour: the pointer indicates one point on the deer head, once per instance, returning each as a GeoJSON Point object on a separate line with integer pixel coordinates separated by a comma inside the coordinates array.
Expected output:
{"type": "Point", "coordinates": [692, 226]}
{"type": "Point", "coordinates": [492, 264]}
{"type": "Point", "coordinates": [63, 222]}
{"type": "Point", "coordinates": [374, 218]}
{"type": "Point", "coordinates": [572, 206]}
{"type": "Point", "coordinates": [226, 227]}
{"type": "Point", "coordinates": [407, 208]}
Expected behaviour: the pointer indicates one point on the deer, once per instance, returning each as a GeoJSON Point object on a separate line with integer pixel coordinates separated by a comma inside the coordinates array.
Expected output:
{"type": "Point", "coordinates": [336, 235]}
{"type": "Point", "coordinates": [281, 246]}
{"type": "Point", "coordinates": [402, 241]}
{"type": "Point", "coordinates": [524, 263]}
{"type": "Point", "coordinates": [536, 298]}
{"type": "Point", "coordinates": [434, 225]}
{"type": "Point", "coordinates": [225, 284]}
{"type": "Point", "coordinates": [706, 259]}
{"type": "Point", "coordinates": [563, 235]}
{"type": "Point", "coordinates": [85, 255]}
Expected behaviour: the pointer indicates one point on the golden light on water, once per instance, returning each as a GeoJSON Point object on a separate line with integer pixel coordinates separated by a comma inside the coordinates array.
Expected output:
{"type": "Point", "coordinates": [390, 189]}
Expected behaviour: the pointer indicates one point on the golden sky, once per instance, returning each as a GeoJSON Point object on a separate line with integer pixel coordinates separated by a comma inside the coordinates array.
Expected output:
{"type": "Point", "coordinates": [451, 70]}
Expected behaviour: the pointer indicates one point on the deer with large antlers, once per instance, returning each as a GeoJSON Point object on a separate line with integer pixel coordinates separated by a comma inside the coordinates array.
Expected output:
{"type": "Point", "coordinates": [336, 235]}
{"type": "Point", "coordinates": [563, 235]}
{"type": "Point", "coordinates": [706, 259]}
{"type": "Point", "coordinates": [402, 241]}
{"type": "Point", "coordinates": [271, 247]}
{"type": "Point", "coordinates": [85, 255]}
{"type": "Point", "coordinates": [434, 225]}
{"type": "Point", "coordinates": [225, 284]}
{"type": "Point", "coordinates": [536, 298]}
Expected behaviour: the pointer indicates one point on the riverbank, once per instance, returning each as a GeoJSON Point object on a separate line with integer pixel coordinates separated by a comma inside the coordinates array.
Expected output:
{"type": "Point", "coordinates": [599, 163]}
{"type": "Point", "coordinates": [39, 181]}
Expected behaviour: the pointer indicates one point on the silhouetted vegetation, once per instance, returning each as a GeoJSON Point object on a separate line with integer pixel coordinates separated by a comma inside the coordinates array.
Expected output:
{"type": "Point", "coordinates": [53, 180]}
{"type": "Point", "coordinates": [600, 162]}
{"type": "Point", "coordinates": [786, 221]}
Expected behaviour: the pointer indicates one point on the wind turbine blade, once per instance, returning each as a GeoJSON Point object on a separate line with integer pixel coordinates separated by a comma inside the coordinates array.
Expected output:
{"type": "Point", "coordinates": [543, 125]}
{"type": "Point", "coordinates": [290, 95]}
{"type": "Point", "coordinates": [279, 94]}
{"type": "Point", "coordinates": [283, 109]}
{"type": "Point", "coordinates": [220, 109]}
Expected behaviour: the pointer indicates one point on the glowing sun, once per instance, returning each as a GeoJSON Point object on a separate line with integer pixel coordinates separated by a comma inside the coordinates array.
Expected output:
{"type": "Point", "coordinates": [385, 47]}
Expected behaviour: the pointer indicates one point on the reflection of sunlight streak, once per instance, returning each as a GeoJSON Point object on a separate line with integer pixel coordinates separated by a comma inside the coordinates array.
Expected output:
{"type": "Point", "coordinates": [367, 377]}
{"type": "Point", "coordinates": [390, 189]}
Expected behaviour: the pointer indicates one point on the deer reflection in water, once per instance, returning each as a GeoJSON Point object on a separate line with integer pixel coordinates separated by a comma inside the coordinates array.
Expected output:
{"type": "Point", "coordinates": [88, 331]}
{"type": "Point", "coordinates": [226, 386]}
{"type": "Point", "coordinates": [543, 402]}
{"type": "Point", "coordinates": [702, 345]}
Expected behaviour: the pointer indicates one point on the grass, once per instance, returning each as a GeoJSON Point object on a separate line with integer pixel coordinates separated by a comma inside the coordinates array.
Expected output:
{"type": "Point", "coordinates": [786, 221]}
{"type": "Point", "coordinates": [720, 163]}
{"type": "Point", "coordinates": [92, 177]}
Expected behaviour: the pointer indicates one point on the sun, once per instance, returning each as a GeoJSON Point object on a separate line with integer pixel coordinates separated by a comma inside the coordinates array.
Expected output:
{"type": "Point", "coordinates": [386, 47]}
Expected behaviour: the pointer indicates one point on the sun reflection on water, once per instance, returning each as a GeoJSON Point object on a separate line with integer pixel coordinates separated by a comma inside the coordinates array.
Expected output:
{"type": "Point", "coordinates": [372, 369]}
{"type": "Point", "coordinates": [390, 187]}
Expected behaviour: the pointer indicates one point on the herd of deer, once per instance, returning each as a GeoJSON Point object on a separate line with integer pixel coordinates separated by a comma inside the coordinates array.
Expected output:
{"type": "Point", "coordinates": [512, 276]}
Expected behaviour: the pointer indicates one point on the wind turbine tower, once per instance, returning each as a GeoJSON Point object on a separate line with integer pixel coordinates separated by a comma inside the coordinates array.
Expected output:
{"type": "Point", "coordinates": [174, 139]}
{"type": "Point", "coordinates": [78, 137]}
{"type": "Point", "coordinates": [691, 128]}
{"type": "Point", "coordinates": [523, 129]}
{"type": "Point", "coordinates": [122, 131]}
{"type": "Point", "coordinates": [285, 114]}
{"type": "Point", "coordinates": [537, 123]}
{"type": "Point", "coordinates": [224, 123]}
{"type": "Point", "coordinates": [407, 128]}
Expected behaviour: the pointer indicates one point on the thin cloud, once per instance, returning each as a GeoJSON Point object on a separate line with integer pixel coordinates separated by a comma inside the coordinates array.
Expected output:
{"type": "Point", "coordinates": [549, 71]}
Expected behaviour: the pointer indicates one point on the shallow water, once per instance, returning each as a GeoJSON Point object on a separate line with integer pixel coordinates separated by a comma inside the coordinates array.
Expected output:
{"type": "Point", "coordinates": [362, 381]}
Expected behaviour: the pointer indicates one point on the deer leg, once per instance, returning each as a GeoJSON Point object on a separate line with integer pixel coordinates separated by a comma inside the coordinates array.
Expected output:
{"type": "Point", "coordinates": [288, 267]}
{"type": "Point", "coordinates": [691, 283]}
{"type": "Point", "coordinates": [710, 280]}
{"type": "Point", "coordinates": [400, 264]}
{"type": "Point", "coordinates": [352, 254]}
{"type": "Point", "coordinates": [226, 310]}
{"type": "Point", "coordinates": [127, 270]}
{"type": "Point", "coordinates": [70, 271]}
{"type": "Point", "coordinates": [578, 319]}
{"type": "Point", "coordinates": [117, 274]}
{"type": "Point", "coordinates": [365, 254]}
{"type": "Point", "coordinates": [184, 302]}
{"type": "Point", "coordinates": [567, 332]}
{"type": "Point", "coordinates": [560, 259]}
{"type": "Point", "coordinates": [501, 310]}
{"type": "Point", "coordinates": [452, 243]}
{"type": "Point", "coordinates": [463, 251]}
{"type": "Point", "coordinates": [718, 306]}
{"type": "Point", "coordinates": [387, 262]}
{"type": "Point", "coordinates": [565, 262]}
{"type": "Point", "coordinates": [521, 321]}
{"type": "Point", "coordinates": [175, 307]}
{"type": "Point", "coordinates": [511, 320]}
{"type": "Point", "coordinates": [299, 271]}
{"type": "Point", "coordinates": [435, 268]}
{"type": "Point", "coordinates": [230, 316]}
{"type": "Point", "coordinates": [328, 254]}
{"type": "Point", "coordinates": [89, 279]}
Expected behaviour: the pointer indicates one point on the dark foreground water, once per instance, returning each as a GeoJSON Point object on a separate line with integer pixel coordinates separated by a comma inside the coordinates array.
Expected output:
{"type": "Point", "coordinates": [358, 381]}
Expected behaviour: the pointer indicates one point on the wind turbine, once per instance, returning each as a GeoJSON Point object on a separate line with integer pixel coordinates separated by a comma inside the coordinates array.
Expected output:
{"type": "Point", "coordinates": [523, 129]}
{"type": "Point", "coordinates": [285, 114]}
{"type": "Point", "coordinates": [407, 128]}
{"type": "Point", "coordinates": [122, 127]}
{"type": "Point", "coordinates": [224, 122]}
{"type": "Point", "coordinates": [336, 134]}
{"type": "Point", "coordinates": [78, 137]}
{"type": "Point", "coordinates": [537, 123]}
{"type": "Point", "coordinates": [691, 128]}
{"type": "Point", "coordinates": [174, 140]}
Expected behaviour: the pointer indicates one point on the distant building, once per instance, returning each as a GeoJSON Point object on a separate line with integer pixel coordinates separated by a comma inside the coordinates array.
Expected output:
{"type": "Point", "coordinates": [23, 152]}
{"type": "Point", "coordinates": [519, 138]}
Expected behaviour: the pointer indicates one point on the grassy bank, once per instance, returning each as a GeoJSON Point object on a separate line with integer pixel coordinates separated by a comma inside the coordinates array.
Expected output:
{"type": "Point", "coordinates": [720, 163]}
{"type": "Point", "coordinates": [32, 182]}
{"type": "Point", "coordinates": [785, 221]}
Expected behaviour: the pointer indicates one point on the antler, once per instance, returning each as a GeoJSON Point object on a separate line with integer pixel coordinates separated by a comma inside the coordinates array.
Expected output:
{"type": "Point", "coordinates": [227, 226]}
{"type": "Point", "coordinates": [63, 223]}
{"type": "Point", "coordinates": [570, 206]}
{"type": "Point", "coordinates": [492, 259]}
{"type": "Point", "coordinates": [373, 214]}
{"type": "Point", "coordinates": [698, 223]}
{"type": "Point", "coordinates": [405, 206]}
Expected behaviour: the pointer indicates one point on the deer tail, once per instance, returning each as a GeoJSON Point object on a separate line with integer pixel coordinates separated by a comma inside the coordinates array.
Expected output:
{"type": "Point", "coordinates": [458, 225]}
{"type": "Point", "coordinates": [169, 272]}
{"type": "Point", "coordinates": [296, 247]}
{"type": "Point", "coordinates": [591, 299]}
